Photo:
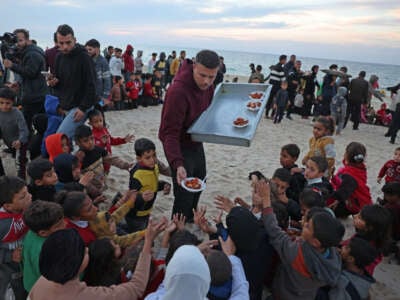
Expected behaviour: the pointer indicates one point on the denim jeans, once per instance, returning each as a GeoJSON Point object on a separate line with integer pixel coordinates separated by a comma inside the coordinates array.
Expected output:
{"type": "Point", "coordinates": [68, 124]}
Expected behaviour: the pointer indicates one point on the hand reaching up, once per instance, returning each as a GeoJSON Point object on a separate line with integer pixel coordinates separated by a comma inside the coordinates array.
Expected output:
{"type": "Point", "coordinates": [153, 229]}
{"type": "Point", "coordinates": [263, 192]}
{"type": "Point", "coordinates": [223, 203]}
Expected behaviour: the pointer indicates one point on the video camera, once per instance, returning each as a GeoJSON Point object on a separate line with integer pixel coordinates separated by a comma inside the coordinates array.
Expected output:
{"type": "Point", "coordinates": [8, 48]}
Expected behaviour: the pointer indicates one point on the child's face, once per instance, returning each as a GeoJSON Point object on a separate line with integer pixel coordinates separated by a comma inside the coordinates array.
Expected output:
{"type": "Point", "coordinates": [148, 159]}
{"type": "Point", "coordinates": [6, 104]}
{"type": "Point", "coordinates": [307, 232]}
{"type": "Point", "coordinates": [76, 172]}
{"type": "Point", "coordinates": [319, 130]}
{"type": "Point", "coordinates": [65, 144]}
{"type": "Point", "coordinates": [281, 186]}
{"type": "Point", "coordinates": [359, 223]}
{"type": "Point", "coordinates": [396, 156]}
{"type": "Point", "coordinates": [303, 209]}
{"type": "Point", "coordinates": [49, 178]}
{"type": "Point", "coordinates": [391, 198]}
{"type": "Point", "coordinates": [118, 54]}
{"type": "Point", "coordinates": [97, 122]}
{"type": "Point", "coordinates": [88, 210]}
{"type": "Point", "coordinates": [86, 143]}
{"type": "Point", "coordinates": [20, 201]}
{"type": "Point", "coordinates": [345, 252]}
{"type": "Point", "coordinates": [312, 170]}
{"type": "Point", "coordinates": [286, 160]}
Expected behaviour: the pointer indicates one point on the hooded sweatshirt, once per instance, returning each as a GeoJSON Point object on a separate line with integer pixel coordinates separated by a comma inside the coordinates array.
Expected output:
{"type": "Point", "coordinates": [54, 119]}
{"type": "Point", "coordinates": [184, 103]}
{"type": "Point", "coordinates": [77, 79]}
{"type": "Point", "coordinates": [303, 269]}
{"type": "Point", "coordinates": [34, 86]}
{"type": "Point", "coordinates": [339, 100]}
{"type": "Point", "coordinates": [54, 146]}
{"type": "Point", "coordinates": [187, 276]}
{"type": "Point", "coordinates": [129, 65]}
{"type": "Point", "coordinates": [352, 286]}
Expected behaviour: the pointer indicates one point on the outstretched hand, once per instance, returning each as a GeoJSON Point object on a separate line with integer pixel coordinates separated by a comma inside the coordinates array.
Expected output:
{"type": "Point", "coordinates": [263, 192]}
{"type": "Point", "coordinates": [223, 203]}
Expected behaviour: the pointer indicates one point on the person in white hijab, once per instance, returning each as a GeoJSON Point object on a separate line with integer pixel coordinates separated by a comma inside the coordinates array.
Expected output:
{"type": "Point", "coordinates": [187, 277]}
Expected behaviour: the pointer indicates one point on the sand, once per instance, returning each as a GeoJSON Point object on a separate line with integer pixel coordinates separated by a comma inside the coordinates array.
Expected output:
{"type": "Point", "coordinates": [228, 166]}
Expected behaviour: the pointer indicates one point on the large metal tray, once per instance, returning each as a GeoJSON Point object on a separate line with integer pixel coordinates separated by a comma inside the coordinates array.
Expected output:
{"type": "Point", "coordinates": [215, 125]}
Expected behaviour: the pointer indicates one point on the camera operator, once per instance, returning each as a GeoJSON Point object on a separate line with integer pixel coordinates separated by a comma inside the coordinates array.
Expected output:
{"type": "Point", "coordinates": [29, 66]}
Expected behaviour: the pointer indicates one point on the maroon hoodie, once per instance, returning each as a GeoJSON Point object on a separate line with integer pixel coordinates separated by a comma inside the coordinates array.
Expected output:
{"type": "Point", "coordinates": [184, 103]}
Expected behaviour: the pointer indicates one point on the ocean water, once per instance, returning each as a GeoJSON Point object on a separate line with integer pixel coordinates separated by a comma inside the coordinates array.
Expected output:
{"type": "Point", "coordinates": [237, 63]}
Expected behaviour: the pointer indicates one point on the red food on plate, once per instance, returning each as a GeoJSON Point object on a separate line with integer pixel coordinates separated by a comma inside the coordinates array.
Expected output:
{"type": "Point", "coordinates": [194, 184]}
{"type": "Point", "coordinates": [240, 121]}
{"type": "Point", "coordinates": [258, 104]}
{"type": "Point", "coordinates": [256, 95]}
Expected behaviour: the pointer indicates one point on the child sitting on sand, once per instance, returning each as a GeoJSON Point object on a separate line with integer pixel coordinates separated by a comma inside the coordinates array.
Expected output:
{"type": "Point", "coordinates": [118, 94]}
{"type": "Point", "coordinates": [322, 143]}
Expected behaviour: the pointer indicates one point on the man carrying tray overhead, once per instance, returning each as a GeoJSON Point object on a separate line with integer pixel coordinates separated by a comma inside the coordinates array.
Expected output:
{"type": "Point", "coordinates": [189, 95]}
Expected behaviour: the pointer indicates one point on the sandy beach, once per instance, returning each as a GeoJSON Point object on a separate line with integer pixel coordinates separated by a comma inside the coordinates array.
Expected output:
{"type": "Point", "coordinates": [228, 166]}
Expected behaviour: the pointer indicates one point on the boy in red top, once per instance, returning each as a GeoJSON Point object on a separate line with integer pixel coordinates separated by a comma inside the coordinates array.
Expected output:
{"type": "Point", "coordinates": [14, 199]}
{"type": "Point", "coordinates": [391, 169]}
{"type": "Point", "coordinates": [149, 98]}
{"type": "Point", "coordinates": [102, 136]}
{"type": "Point", "coordinates": [134, 86]}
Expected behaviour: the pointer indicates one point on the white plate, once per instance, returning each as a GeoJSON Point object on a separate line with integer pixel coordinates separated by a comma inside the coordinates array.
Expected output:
{"type": "Point", "coordinates": [256, 92]}
{"type": "Point", "coordinates": [203, 185]}
{"type": "Point", "coordinates": [241, 126]}
{"type": "Point", "coordinates": [257, 108]}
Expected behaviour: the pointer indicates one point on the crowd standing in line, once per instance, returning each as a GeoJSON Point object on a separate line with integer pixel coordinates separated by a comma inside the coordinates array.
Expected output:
{"type": "Point", "coordinates": [56, 243]}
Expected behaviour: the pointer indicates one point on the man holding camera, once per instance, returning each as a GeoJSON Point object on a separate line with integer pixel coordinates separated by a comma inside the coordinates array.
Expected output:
{"type": "Point", "coordinates": [28, 66]}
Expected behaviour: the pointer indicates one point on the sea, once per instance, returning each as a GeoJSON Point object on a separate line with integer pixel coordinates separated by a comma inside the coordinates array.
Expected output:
{"type": "Point", "coordinates": [237, 63]}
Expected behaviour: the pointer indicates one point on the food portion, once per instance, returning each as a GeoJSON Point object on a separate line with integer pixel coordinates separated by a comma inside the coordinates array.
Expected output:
{"type": "Point", "coordinates": [256, 95]}
{"type": "Point", "coordinates": [240, 121]}
{"type": "Point", "coordinates": [193, 183]}
{"type": "Point", "coordinates": [253, 105]}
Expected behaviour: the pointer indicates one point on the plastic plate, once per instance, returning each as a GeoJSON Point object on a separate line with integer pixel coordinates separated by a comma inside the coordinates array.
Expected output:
{"type": "Point", "coordinates": [255, 108]}
{"type": "Point", "coordinates": [256, 92]}
{"type": "Point", "coordinates": [202, 188]}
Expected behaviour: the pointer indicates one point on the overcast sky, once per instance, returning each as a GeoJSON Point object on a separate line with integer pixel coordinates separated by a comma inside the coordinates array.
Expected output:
{"type": "Point", "coordinates": [351, 30]}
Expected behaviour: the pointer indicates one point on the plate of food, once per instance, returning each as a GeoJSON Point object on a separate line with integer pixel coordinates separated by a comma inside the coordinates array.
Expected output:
{"type": "Point", "coordinates": [253, 105]}
{"type": "Point", "coordinates": [193, 184]}
{"type": "Point", "coordinates": [256, 95]}
{"type": "Point", "coordinates": [240, 122]}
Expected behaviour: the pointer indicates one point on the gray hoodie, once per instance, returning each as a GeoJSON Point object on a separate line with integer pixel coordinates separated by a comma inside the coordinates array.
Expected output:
{"type": "Point", "coordinates": [303, 269]}
{"type": "Point", "coordinates": [339, 100]}
{"type": "Point", "coordinates": [351, 286]}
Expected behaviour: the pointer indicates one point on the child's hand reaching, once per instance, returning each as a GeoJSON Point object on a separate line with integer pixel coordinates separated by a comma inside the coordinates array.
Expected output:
{"type": "Point", "coordinates": [147, 196]}
{"type": "Point", "coordinates": [128, 196]}
{"type": "Point", "coordinates": [224, 203]}
{"type": "Point", "coordinates": [379, 180]}
{"type": "Point", "coordinates": [241, 202]}
{"type": "Point", "coordinates": [16, 144]}
{"type": "Point", "coordinates": [129, 138]}
{"type": "Point", "coordinates": [198, 214]}
{"type": "Point", "coordinates": [179, 220]}
{"type": "Point", "coordinates": [263, 190]}
{"type": "Point", "coordinates": [153, 229]}
{"type": "Point", "coordinates": [218, 219]}
{"type": "Point", "coordinates": [80, 155]}
{"type": "Point", "coordinates": [227, 246]}
{"type": "Point", "coordinates": [167, 189]}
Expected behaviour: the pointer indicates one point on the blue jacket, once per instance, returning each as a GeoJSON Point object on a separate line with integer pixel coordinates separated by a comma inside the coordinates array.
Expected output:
{"type": "Point", "coordinates": [54, 119]}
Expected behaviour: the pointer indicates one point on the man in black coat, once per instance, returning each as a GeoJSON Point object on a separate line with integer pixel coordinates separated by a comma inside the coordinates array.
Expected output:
{"type": "Point", "coordinates": [358, 95]}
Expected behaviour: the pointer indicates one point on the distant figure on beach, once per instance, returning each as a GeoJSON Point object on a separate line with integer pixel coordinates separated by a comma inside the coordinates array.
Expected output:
{"type": "Point", "coordinates": [152, 62]}
{"type": "Point", "coordinates": [289, 66]}
{"type": "Point", "coordinates": [116, 63]}
{"type": "Point", "coordinates": [221, 72]}
{"type": "Point", "coordinates": [276, 77]}
{"type": "Point", "coordinates": [188, 96]}
{"type": "Point", "coordinates": [257, 77]}
{"type": "Point", "coordinates": [311, 82]}
{"type": "Point", "coordinates": [129, 64]}
{"type": "Point", "coordinates": [329, 90]}
{"type": "Point", "coordinates": [139, 62]}
{"type": "Point", "coordinates": [252, 68]}
{"type": "Point", "coordinates": [358, 94]}
{"type": "Point", "coordinates": [51, 54]}
{"type": "Point", "coordinates": [294, 77]}
{"type": "Point", "coordinates": [74, 81]}
{"type": "Point", "coordinates": [108, 53]}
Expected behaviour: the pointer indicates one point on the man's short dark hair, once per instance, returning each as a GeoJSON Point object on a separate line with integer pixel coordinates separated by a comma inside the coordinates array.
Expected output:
{"type": "Point", "coordinates": [282, 174]}
{"type": "Point", "coordinates": [9, 186]}
{"type": "Point", "coordinates": [208, 58]}
{"type": "Point", "coordinates": [93, 43]}
{"type": "Point", "coordinates": [282, 57]}
{"type": "Point", "coordinates": [292, 149]}
{"type": "Point", "coordinates": [37, 168]}
{"type": "Point", "coordinates": [61, 256]}
{"type": "Point", "coordinates": [321, 163]}
{"type": "Point", "coordinates": [392, 188]}
{"type": "Point", "coordinates": [143, 145]}
{"type": "Point", "coordinates": [71, 202]}
{"type": "Point", "coordinates": [327, 230]}
{"type": "Point", "coordinates": [23, 31]}
{"type": "Point", "coordinates": [362, 74]}
{"type": "Point", "coordinates": [82, 131]}
{"type": "Point", "coordinates": [333, 66]}
{"type": "Point", "coordinates": [7, 93]}
{"type": "Point", "coordinates": [117, 50]}
{"type": "Point", "coordinates": [259, 67]}
{"type": "Point", "coordinates": [64, 30]}
{"type": "Point", "coordinates": [41, 215]}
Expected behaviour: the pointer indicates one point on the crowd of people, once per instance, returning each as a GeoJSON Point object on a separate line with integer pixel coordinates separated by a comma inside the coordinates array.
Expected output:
{"type": "Point", "coordinates": [56, 242]}
{"type": "Point", "coordinates": [297, 91]}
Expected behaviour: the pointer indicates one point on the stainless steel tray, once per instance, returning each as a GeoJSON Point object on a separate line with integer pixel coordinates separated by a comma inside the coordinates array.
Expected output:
{"type": "Point", "coordinates": [215, 125]}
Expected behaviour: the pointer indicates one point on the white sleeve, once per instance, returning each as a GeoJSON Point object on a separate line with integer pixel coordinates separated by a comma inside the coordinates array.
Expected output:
{"type": "Point", "coordinates": [240, 286]}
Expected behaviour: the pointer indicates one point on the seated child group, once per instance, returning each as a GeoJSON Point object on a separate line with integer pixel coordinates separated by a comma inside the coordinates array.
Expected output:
{"type": "Point", "coordinates": [287, 243]}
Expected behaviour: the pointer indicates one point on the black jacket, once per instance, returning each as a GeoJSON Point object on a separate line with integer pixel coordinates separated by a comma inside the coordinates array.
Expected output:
{"type": "Point", "coordinates": [34, 86]}
{"type": "Point", "coordinates": [77, 80]}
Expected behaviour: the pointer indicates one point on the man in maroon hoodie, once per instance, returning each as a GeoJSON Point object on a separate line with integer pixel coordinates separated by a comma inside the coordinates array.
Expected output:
{"type": "Point", "coordinates": [189, 95]}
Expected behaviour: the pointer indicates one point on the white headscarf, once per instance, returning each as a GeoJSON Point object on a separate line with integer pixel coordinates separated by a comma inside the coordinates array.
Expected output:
{"type": "Point", "coordinates": [187, 275]}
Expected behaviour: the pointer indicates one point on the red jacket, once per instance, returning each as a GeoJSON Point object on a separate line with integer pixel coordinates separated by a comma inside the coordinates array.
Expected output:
{"type": "Point", "coordinates": [148, 89]}
{"type": "Point", "coordinates": [15, 225]}
{"type": "Point", "coordinates": [391, 171]}
{"type": "Point", "coordinates": [53, 145]}
{"type": "Point", "coordinates": [103, 139]}
{"type": "Point", "coordinates": [361, 195]}
{"type": "Point", "coordinates": [128, 59]}
{"type": "Point", "coordinates": [183, 104]}
{"type": "Point", "coordinates": [86, 233]}
{"type": "Point", "coordinates": [133, 88]}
